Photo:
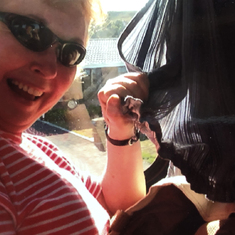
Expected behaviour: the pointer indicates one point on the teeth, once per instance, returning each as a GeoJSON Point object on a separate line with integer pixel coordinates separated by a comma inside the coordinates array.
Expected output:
{"type": "Point", "coordinates": [25, 88]}
{"type": "Point", "coordinates": [15, 82]}
{"type": "Point", "coordinates": [34, 92]}
{"type": "Point", "coordinates": [20, 85]}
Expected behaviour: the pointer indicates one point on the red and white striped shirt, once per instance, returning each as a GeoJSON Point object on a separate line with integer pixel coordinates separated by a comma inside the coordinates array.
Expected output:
{"type": "Point", "coordinates": [42, 193]}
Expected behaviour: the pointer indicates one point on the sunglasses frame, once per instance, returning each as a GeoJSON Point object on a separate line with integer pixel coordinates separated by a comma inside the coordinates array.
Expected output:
{"type": "Point", "coordinates": [7, 18]}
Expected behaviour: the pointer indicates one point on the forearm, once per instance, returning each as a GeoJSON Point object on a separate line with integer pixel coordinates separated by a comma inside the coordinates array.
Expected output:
{"type": "Point", "coordinates": [123, 183]}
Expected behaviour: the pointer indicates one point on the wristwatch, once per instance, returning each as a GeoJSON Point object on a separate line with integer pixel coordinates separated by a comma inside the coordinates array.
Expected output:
{"type": "Point", "coordinates": [72, 104]}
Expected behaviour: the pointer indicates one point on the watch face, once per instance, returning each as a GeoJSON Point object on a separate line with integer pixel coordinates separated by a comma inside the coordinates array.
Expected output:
{"type": "Point", "coordinates": [72, 104]}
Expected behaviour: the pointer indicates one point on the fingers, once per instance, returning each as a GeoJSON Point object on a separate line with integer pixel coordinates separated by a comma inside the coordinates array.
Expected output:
{"type": "Point", "coordinates": [133, 84]}
{"type": "Point", "coordinates": [112, 111]}
{"type": "Point", "coordinates": [120, 125]}
{"type": "Point", "coordinates": [112, 88]}
{"type": "Point", "coordinates": [111, 98]}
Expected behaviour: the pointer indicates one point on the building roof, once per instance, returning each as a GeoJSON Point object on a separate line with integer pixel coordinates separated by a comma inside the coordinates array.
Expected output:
{"type": "Point", "coordinates": [102, 52]}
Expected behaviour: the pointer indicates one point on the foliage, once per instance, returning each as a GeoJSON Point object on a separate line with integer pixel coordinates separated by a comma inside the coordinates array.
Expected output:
{"type": "Point", "coordinates": [94, 111]}
{"type": "Point", "coordinates": [113, 25]}
{"type": "Point", "coordinates": [149, 153]}
{"type": "Point", "coordinates": [57, 117]}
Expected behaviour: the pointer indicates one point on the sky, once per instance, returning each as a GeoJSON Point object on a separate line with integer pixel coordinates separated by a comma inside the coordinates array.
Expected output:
{"type": "Point", "coordinates": [123, 5]}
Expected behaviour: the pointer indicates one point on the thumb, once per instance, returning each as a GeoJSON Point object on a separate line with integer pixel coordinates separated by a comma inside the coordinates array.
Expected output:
{"type": "Point", "coordinates": [113, 106]}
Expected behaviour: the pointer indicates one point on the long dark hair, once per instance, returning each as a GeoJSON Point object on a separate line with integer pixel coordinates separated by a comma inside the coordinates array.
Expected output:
{"type": "Point", "coordinates": [187, 47]}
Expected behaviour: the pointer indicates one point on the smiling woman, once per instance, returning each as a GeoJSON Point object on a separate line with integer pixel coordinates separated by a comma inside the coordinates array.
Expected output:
{"type": "Point", "coordinates": [41, 192]}
{"type": "Point", "coordinates": [20, 113]}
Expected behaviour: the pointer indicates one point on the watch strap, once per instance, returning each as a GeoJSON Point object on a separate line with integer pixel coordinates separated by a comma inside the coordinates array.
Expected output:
{"type": "Point", "coordinates": [130, 141]}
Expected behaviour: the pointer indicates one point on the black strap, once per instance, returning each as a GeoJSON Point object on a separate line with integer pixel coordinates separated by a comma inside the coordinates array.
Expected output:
{"type": "Point", "coordinates": [130, 141]}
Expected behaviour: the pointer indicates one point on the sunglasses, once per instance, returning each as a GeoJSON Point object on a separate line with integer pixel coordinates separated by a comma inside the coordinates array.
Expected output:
{"type": "Point", "coordinates": [37, 37]}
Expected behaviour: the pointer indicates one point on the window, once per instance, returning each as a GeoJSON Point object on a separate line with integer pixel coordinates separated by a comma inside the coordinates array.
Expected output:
{"type": "Point", "coordinates": [77, 119]}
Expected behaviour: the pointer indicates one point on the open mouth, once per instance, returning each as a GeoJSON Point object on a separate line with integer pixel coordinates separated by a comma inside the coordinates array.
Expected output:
{"type": "Point", "coordinates": [24, 91]}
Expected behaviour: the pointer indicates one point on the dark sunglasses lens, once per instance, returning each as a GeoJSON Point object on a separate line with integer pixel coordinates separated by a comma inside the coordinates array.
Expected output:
{"type": "Point", "coordinates": [31, 34]}
{"type": "Point", "coordinates": [71, 54]}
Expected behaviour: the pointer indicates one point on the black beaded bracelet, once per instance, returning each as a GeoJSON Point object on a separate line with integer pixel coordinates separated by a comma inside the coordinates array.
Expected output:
{"type": "Point", "coordinates": [130, 141]}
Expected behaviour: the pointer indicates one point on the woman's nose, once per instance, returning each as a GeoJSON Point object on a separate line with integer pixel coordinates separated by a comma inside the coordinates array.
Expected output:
{"type": "Point", "coordinates": [45, 63]}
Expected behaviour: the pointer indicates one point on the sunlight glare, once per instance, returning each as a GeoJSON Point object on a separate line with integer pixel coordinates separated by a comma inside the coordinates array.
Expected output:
{"type": "Point", "coordinates": [123, 5]}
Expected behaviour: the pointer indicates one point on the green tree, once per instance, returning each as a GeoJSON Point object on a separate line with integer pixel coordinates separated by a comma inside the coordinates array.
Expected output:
{"type": "Point", "coordinates": [113, 25]}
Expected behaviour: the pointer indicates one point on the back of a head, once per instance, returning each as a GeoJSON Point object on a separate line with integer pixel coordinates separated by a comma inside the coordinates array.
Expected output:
{"type": "Point", "coordinates": [190, 60]}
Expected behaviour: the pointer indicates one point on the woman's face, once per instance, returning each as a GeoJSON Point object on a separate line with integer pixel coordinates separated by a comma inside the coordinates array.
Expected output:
{"type": "Point", "coordinates": [37, 72]}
